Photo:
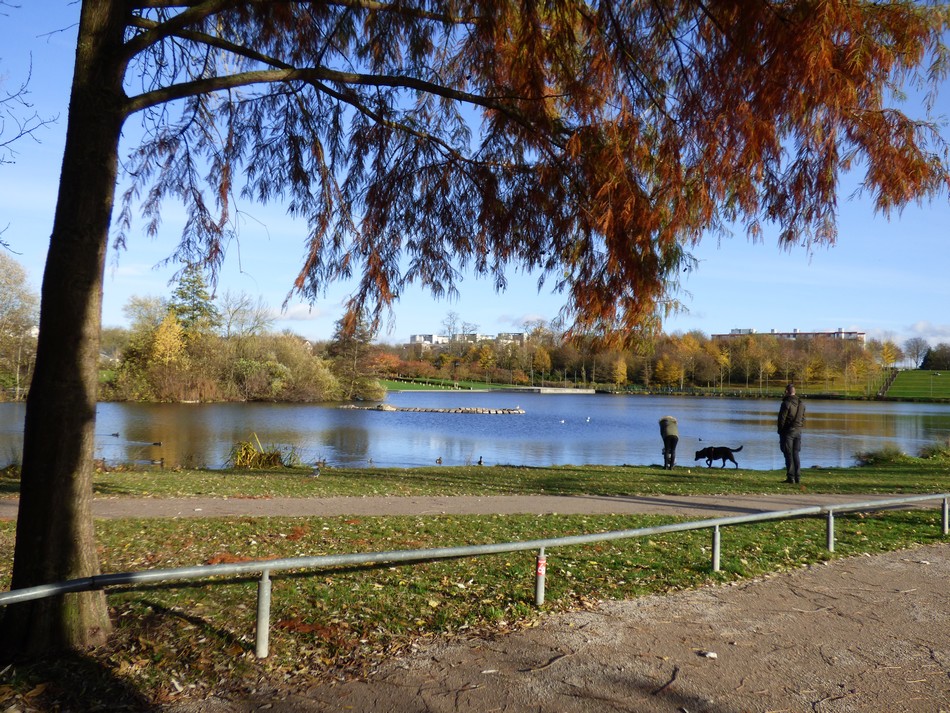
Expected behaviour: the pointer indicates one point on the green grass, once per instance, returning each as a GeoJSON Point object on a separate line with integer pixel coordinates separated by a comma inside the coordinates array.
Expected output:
{"type": "Point", "coordinates": [903, 474]}
{"type": "Point", "coordinates": [922, 385]}
{"type": "Point", "coordinates": [836, 388]}
{"type": "Point", "coordinates": [438, 385]}
{"type": "Point", "coordinates": [912, 385]}
{"type": "Point", "coordinates": [418, 385]}
{"type": "Point", "coordinates": [176, 642]}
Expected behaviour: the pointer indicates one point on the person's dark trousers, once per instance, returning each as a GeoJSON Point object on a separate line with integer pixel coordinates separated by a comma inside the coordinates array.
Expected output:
{"type": "Point", "coordinates": [669, 451]}
{"type": "Point", "coordinates": [791, 443]}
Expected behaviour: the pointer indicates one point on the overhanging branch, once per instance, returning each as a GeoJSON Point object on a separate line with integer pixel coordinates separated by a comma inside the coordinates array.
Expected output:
{"type": "Point", "coordinates": [316, 77]}
{"type": "Point", "coordinates": [201, 38]}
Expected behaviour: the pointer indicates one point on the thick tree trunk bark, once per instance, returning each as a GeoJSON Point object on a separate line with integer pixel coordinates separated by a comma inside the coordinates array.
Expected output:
{"type": "Point", "coordinates": [55, 538]}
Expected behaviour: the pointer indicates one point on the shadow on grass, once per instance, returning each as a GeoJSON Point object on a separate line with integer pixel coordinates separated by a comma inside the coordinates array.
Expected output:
{"type": "Point", "coordinates": [111, 489]}
{"type": "Point", "coordinates": [155, 655]}
{"type": "Point", "coordinates": [70, 682]}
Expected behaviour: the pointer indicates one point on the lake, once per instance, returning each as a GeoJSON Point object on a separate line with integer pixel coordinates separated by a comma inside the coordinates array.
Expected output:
{"type": "Point", "coordinates": [555, 429]}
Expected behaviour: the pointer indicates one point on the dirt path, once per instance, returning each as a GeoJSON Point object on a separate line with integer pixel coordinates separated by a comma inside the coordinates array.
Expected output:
{"type": "Point", "coordinates": [690, 505]}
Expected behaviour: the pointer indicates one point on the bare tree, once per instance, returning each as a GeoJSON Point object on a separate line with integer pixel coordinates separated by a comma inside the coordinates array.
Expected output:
{"type": "Point", "coordinates": [145, 313]}
{"type": "Point", "coordinates": [450, 324]}
{"type": "Point", "coordinates": [18, 119]}
{"type": "Point", "coordinates": [916, 348]}
{"type": "Point", "coordinates": [242, 316]}
{"type": "Point", "coordinates": [612, 137]}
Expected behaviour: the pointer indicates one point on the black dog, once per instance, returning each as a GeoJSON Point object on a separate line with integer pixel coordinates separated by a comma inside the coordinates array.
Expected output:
{"type": "Point", "coordinates": [711, 453]}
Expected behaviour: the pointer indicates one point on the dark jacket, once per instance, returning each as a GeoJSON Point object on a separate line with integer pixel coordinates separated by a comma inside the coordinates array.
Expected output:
{"type": "Point", "coordinates": [791, 415]}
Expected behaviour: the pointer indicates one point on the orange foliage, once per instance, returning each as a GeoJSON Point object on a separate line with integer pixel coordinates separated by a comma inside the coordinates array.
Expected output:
{"type": "Point", "coordinates": [592, 144]}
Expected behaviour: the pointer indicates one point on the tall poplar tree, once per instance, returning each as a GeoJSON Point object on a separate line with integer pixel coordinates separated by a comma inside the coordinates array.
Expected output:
{"type": "Point", "coordinates": [590, 142]}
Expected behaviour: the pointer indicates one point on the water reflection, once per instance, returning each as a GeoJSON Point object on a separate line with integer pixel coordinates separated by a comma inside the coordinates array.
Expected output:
{"type": "Point", "coordinates": [555, 429]}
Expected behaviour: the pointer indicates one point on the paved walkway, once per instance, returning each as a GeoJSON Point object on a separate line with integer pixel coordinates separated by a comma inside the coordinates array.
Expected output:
{"type": "Point", "coordinates": [690, 505]}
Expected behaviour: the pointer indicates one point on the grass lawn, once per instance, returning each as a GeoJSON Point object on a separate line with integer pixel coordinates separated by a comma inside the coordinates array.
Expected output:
{"type": "Point", "coordinates": [895, 474]}
{"type": "Point", "coordinates": [438, 385]}
{"type": "Point", "coordinates": [185, 641]}
{"type": "Point", "coordinates": [924, 385]}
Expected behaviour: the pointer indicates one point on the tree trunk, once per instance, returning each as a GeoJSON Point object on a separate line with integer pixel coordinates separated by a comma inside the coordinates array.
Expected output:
{"type": "Point", "coordinates": [55, 537]}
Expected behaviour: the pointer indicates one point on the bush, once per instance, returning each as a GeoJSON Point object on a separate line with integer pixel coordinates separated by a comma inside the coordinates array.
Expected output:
{"type": "Point", "coordinates": [938, 450]}
{"type": "Point", "coordinates": [248, 456]}
{"type": "Point", "coordinates": [888, 455]}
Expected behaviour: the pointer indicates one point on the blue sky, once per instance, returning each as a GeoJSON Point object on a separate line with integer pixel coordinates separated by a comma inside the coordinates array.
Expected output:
{"type": "Point", "coordinates": [886, 278]}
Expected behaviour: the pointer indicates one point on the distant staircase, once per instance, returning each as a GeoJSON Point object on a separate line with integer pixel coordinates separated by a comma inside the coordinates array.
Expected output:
{"type": "Point", "coordinates": [888, 382]}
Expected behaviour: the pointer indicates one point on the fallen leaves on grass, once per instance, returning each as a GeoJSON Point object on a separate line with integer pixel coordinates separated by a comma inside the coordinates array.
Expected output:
{"type": "Point", "coordinates": [228, 558]}
{"type": "Point", "coordinates": [298, 533]}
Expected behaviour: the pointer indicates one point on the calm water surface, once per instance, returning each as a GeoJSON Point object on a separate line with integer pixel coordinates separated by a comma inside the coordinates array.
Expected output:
{"type": "Point", "coordinates": [556, 429]}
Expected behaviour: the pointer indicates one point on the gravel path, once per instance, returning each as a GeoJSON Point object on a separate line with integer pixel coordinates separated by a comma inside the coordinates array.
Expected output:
{"type": "Point", "coordinates": [692, 505]}
{"type": "Point", "coordinates": [858, 634]}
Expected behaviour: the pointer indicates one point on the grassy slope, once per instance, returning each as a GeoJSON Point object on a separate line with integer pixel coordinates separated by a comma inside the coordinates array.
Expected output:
{"type": "Point", "coordinates": [912, 384]}
{"type": "Point", "coordinates": [923, 385]}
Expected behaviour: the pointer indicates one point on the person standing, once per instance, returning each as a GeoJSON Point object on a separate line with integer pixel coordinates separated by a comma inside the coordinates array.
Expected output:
{"type": "Point", "coordinates": [791, 420]}
{"type": "Point", "coordinates": [669, 431]}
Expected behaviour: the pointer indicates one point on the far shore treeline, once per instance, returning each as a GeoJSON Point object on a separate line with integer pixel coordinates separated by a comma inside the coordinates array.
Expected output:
{"type": "Point", "coordinates": [197, 347]}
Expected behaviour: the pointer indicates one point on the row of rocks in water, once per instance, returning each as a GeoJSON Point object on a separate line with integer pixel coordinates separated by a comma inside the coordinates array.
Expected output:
{"type": "Point", "coordinates": [388, 407]}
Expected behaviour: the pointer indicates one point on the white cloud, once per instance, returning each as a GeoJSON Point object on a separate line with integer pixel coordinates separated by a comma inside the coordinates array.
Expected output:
{"type": "Point", "coordinates": [300, 313]}
{"type": "Point", "coordinates": [520, 320]}
{"type": "Point", "coordinates": [933, 333]}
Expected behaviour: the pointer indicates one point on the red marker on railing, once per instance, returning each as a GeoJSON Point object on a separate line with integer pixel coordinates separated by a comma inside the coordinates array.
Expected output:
{"type": "Point", "coordinates": [541, 572]}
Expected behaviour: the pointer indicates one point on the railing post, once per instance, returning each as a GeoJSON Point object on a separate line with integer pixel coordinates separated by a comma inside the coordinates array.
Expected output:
{"type": "Point", "coordinates": [831, 531]}
{"type": "Point", "coordinates": [263, 615]}
{"type": "Point", "coordinates": [945, 518]}
{"type": "Point", "coordinates": [540, 574]}
{"type": "Point", "coordinates": [715, 549]}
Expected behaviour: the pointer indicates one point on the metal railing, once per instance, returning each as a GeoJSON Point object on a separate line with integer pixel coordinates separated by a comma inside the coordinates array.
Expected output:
{"type": "Point", "coordinates": [266, 567]}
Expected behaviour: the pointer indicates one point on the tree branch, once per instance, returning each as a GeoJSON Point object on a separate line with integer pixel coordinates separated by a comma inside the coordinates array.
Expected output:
{"type": "Point", "coordinates": [315, 77]}
{"type": "Point", "coordinates": [195, 13]}
{"type": "Point", "coordinates": [202, 38]}
{"type": "Point", "coordinates": [24, 126]}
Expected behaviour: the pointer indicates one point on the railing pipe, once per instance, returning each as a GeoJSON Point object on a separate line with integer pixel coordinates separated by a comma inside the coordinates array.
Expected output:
{"type": "Point", "coordinates": [884, 503]}
{"type": "Point", "coordinates": [540, 576]}
{"type": "Point", "coordinates": [262, 638]}
{"type": "Point", "coordinates": [387, 557]}
{"type": "Point", "coordinates": [240, 568]}
{"type": "Point", "coordinates": [830, 536]}
{"type": "Point", "coordinates": [715, 548]}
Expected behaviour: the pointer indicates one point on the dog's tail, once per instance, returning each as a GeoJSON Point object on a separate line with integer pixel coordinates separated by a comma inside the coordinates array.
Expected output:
{"type": "Point", "coordinates": [736, 450]}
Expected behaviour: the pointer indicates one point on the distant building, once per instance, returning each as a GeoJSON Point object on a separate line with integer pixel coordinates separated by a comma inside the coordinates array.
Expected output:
{"type": "Point", "coordinates": [471, 337]}
{"type": "Point", "coordinates": [839, 334]}
{"type": "Point", "coordinates": [427, 341]}
{"type": "Point", "coordinates": [511, 338]}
